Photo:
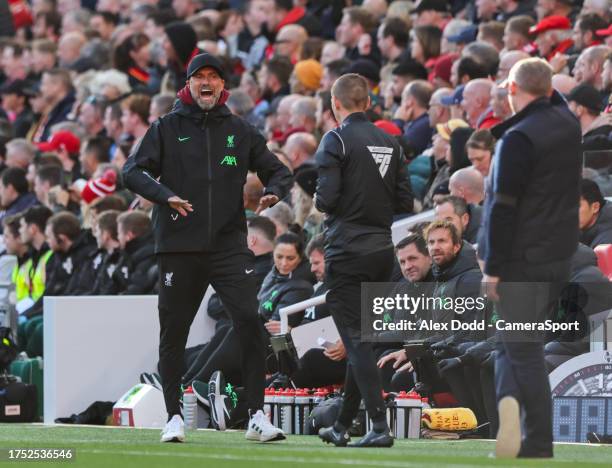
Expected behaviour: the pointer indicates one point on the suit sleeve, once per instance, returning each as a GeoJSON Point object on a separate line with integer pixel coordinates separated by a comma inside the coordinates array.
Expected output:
{"type": "Point", "coordinates": [275, 176]}
{"type": "Point", "coordinates": [404, 199]}
{"type": "Point", "coordinates": [143, 167]}
{"type": "Point", "coordinates": [329, 157]}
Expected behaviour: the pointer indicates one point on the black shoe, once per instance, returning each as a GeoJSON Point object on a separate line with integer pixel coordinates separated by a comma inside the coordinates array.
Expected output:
{"type": "Point", "coordinates": [331, 436]}
{"type": "Point", "coordinates": [594, 438]}
{"type": "Point", "coordinates": [375, 439]}
{"type": "Point", "coordinates": [527, 452]}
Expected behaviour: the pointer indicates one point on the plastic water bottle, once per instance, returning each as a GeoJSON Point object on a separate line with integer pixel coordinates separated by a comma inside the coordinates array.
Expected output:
{"type": "Point", "coordinates": [190, 409]}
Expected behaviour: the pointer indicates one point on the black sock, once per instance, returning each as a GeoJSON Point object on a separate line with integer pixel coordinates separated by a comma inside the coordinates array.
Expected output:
{"type": "Point", "coordinates": [380, 425]}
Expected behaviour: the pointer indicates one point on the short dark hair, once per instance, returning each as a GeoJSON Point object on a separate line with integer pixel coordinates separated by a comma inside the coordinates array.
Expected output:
{"type": "Point", "coordinates": [110, 202]}
{"type": "Point", "coordinates": [264, 225]}
{"type": "Point", "coordinates": [99, 147]}
{"type": "Point", "coordinates": [459, 204]}
{"type": "Point", "coordinates": [286, 5]}
{"type": "Point", "coordinates": [107, 221]}
{"type": "Point", "coordinates": [398, 30]}
{"type": "Point", "coordinates": [417, 240]}
{"type": "Point", "coordinates": [351, 90]}
{"type": "Point", "coordinates": [136, 222]}
{"type": "Point", "coordinates": [316, 243]}
{"type": "Point", "coordinates": [589, 190]}
{"type": "Point", "coordinates": [421, 91]}
{"type": "Point", "coordinates": [591, 22]}
{"type": "Point", "coordinates": [108, 16]}
{"type": "Point", "coordinates": [52, 19]}
{"type": "Point", "coordinates": [66, 224]}
{"type": "Point", "coordinates": [293, 239]}
{"type": "Point", "coordinates": [281, 67]}
{"type": "Point", "coordinates": [338, 67]}
{"type": "Point", "coordinates": [51, 173]}
{"type": "Point", "coordinates": [325, 97]}
{"type": "Point", "coordinates": [37, 215]}
{"type": "Point", "coordinates": [470, 67]}
{"type": "Point", "coordinates": [450, 227]}
{"type": "Point", "coordinates": [16, 177]}
{"type": "Point", "coordinates": [12, 223]}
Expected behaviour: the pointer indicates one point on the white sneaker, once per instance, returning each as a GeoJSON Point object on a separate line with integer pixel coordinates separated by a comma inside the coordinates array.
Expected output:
{"type": "Point", "coordinates": [260, 429]}
{"type": "Point", "coordinates": [174, 430]}
{"type": "Point", "coordinates": [508, 441]}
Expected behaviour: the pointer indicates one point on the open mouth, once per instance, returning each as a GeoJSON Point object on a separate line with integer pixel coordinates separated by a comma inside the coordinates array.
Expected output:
{"type": "Point", "coordinates": [206, 93]}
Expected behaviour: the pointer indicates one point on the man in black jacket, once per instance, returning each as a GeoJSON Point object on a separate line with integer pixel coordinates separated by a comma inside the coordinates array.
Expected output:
{"type": "Point", "coordinates": [595, 216]}
{"type": "Point", "coordinates": [362, 184]}
{"type": "Point", "coordinates": [133, 272]}
{"type": "Point", "coordinates": [529, 234]}
{"type": "Point", "coordinates": [193, 164]}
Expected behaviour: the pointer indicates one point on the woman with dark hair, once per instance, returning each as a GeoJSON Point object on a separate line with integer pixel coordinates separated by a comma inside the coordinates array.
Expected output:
{"type": "Point", "coordinates": [288, 282]}
{"type": "Point", "coordinates": [447, 157]}
{"type": "Point", "coordinates": [480, 147]}
{"type": "Point", "coordinates": [132, 57]}
{"type": "Point", "coordinates": [425, 46]}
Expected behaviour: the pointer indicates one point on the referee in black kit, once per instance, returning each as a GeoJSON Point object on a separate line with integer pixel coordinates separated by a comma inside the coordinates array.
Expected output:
{"type": "Point", "coordinates": [193, 163]}
{"type": "Point", "coordinates": [362, 184]}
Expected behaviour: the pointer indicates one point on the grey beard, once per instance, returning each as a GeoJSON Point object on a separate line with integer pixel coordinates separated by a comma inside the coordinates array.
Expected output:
{"type": "Point", "coordinates": [205, 105]}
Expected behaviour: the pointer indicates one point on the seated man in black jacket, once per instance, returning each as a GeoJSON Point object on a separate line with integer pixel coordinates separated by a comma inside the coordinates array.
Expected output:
{"type": "Point", "coordinates": [107, 257]}
{"type": "Point", "coordinates": [133, 274]}
{"type": "Point", "coordinates": [595, 215]}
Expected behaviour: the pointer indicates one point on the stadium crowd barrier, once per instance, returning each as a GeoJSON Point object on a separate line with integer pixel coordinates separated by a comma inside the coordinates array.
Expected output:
{"type": "Point", "coordinates": [95, 348]}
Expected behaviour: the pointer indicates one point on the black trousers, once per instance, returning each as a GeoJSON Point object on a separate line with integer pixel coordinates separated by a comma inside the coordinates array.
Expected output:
{"type": "Point", "coordinates": [218, 354]}
{"type": "Point", "coordinates": [528, 292]}
{"type": "Point", "coordinates": [317, 370]}
{"type": "Point", "coordinates": [184, 278]}
{"type": "Point", "coordinates": [344, 300]}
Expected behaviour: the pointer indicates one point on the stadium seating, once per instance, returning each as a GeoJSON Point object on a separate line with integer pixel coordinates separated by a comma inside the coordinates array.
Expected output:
{"type": "Point", "coordinates": [604, 259]}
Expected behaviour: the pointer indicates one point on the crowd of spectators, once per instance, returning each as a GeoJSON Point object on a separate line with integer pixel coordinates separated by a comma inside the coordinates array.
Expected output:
{"type": "Point", "coordinates": [81, 81]}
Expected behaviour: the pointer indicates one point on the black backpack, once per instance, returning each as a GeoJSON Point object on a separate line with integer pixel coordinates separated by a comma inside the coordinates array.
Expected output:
{"type": "Point", "coordinates": [8, 349]}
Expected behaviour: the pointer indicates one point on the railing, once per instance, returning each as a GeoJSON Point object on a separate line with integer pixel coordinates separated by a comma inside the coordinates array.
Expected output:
{"type": "Point", "coordinates": [285, 312]}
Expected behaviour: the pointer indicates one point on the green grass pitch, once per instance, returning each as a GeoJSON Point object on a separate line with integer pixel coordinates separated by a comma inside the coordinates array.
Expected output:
{"type": "Point", "coordinates": [121, 447]}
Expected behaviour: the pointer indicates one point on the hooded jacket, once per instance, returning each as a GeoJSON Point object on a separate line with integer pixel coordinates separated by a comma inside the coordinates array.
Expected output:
{"type": "Point", "coordinates": [278, 291]}
{"type": "Point", "coordinates": [601, 231]}
{"type": "Point", "coordinates": [203, 157]}
{"type": "Point", "coordinates": [460, 278]}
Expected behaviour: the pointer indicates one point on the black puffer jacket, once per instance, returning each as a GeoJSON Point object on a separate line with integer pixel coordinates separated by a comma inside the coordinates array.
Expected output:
{"type": "Point", "coordinates": [203, 157]}
{"type": "Point", "coordinates": [132, 273]}
{"type": "Point", "coordinates": [278, 291]}
{"type": "Point", "coordinates": [103, 283]}
{"type": "Point", "coordinates": [601, 231]}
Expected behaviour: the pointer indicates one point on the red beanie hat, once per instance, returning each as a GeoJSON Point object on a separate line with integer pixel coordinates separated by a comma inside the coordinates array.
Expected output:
{"type": "Point", "coordinates": [99, 187]}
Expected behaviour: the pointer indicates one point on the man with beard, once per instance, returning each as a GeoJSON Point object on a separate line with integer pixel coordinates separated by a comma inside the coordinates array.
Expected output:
{"type": "Point", "coordinates": [193, 163]}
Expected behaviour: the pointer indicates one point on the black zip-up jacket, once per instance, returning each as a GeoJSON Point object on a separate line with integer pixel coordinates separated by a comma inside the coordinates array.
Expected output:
{"type": "Point", "coordinates": [278, 291]}
{"type": "Point", "coordinates": [131, 276]}
{"type": "Point", "coordinates": [202, 157]}
{"type": "Point", "coordinates": [362, 184]}
{"type": "Point", "coordinates": [601, 231]}
{"type": "Point", "coordinates": [103, 283]}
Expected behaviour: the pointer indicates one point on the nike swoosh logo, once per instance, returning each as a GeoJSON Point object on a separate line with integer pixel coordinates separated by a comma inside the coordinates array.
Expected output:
{"type": "Point", "coordinates": [182, 139]}
{"type": "Point", "coordinates": [248, 271]}
{"type": "Point", "coordinates": [174, 217]}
